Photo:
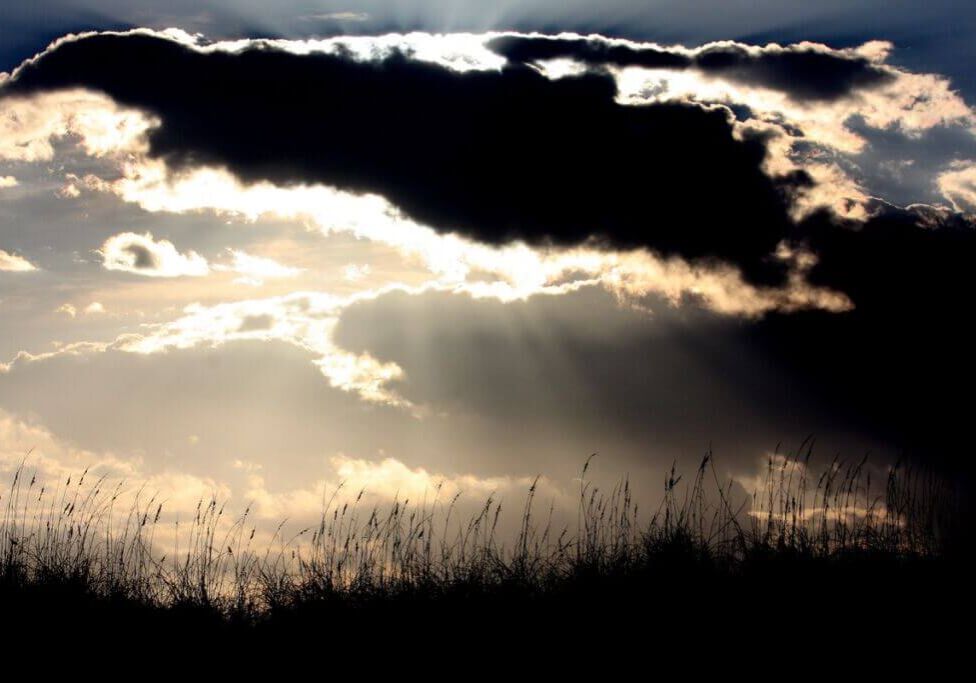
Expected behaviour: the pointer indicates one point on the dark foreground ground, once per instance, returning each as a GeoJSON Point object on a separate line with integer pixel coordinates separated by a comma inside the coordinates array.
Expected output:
{"type": "Point", "coordinates": [887, 610]}
{"type": "Point", "coordinates": [795, 591]}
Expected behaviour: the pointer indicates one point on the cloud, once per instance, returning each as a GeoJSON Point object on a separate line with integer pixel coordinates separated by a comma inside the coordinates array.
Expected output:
{"type": "Point", "coordinates": [576, 372]}
{"type": "Point", "coordinates": [494, 155]}
{"type": "Point", "coordinates": [883, 346]}
{"type": "Point", "coordinates": [890, 367]}
{"type": "Point", "coordinates": [29, 126]}
{"type": "Point", "coordinates": [958, 185]}
{"type": "Point", "coordinates": [354, 271]}
{"type": "Point", "coordinates": [898, 359]}
{"type": "Point", "coordinates": [750, 218]}
{"type": "Point", "coordinates": [255, 269]}
{"type": "Point", "coordinates": [12, 263]}
{"type": "Point", "coordinates": [53, 463]}
{"type": "Point", "coordinates": [7, 181]}
{"type": "Point", "coordinates": [706, 199]}
{"type": "Point", "coordinates": [631, 158]}
{"type": "Point", "coordinates": [94, 308]}
{"type": "Point", "coordinates": [806, 71]}
{"type": "Point", "coordinates": [53, 458]}
{"type": "Point", "coordinates": [303, 319]}
{"type": "Point", "coordinates": [517, 270]}
{"type": "Point", "coordinates": [910, 104]}
{"type": "Point", "coordinates": [366, 482]}
{"type": "Point", "coordinates": [485, 364]}
{"type": "Point", "coordinates": [144, 255]}
{"type": "Point", "coordinates": [337, 16]}
{"type": "Point", "coordinates": [307, 320]}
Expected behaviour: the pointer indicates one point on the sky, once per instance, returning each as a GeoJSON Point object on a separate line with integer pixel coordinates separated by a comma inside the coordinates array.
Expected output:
{"type": "Point", "coordinates": [259, 252]}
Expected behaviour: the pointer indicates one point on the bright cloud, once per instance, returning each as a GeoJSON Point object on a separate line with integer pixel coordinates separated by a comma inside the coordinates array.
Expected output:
{"type": "Point", "coordinates": [29, 126]}
{"type": "Point", "coordinates": [519, 270]}
{"type": "Point", "coordinates": [255, 269]}
{"type": "Point", "coordinates": [48, 462]}
{"type": "Point", "coordinates": [338, 16]}
{"type": "Point", "coordinates": [12, 263]}
{"type": "Point", "coordinates": [958, 185]}
{"type": "Point", "coordinates": [911, 103]}
{"type": "Point", "coordinates": [353, 271]}
{"type": "Point", "coordinates": [304, 319]}
{"type": "Point", "coordinates": [357, 480]}
{"type": "Point", "coordinates": [143, 255]}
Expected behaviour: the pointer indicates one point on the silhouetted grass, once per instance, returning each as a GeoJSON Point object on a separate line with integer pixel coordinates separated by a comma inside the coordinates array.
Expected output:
{"type": "Point", "coordinates": [69, 548]}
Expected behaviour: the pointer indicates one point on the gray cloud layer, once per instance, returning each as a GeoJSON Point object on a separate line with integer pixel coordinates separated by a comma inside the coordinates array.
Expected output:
{"type": "Point", "coordinates": [519, 388]}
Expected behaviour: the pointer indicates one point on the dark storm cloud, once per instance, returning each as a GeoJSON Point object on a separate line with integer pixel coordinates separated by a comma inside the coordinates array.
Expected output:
{"type": "Point", "coordinates": [642, 390]}
{"type": "Point", "coordinates": [805, 73]}
{"type": "Point", "coordinates": [496, 156]}
{"type": "Point", "coordinates": [590, 50]}
{"type": "Point", "coordinates": [901, 363]}
{"type": "Point", "coordinates": [891, 376]}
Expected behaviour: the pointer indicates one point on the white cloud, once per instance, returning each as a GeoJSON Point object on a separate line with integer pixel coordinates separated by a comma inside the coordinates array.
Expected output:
{"type": "Point", "coordinates": [73, 349]}
{"type": "Point", "coordinates": [351, 480]}
{"type": "Point", "coordinates": [67, 309]}
{"type": "Point", "coordinates": [69, 190]}
{"type": "Point", "coordinates": [457, 263]}
{"type": "Point", "coordinates": [7, 181]}
{"type": "Point", "coordinates": [911, 103]}
{"type": "Point", "coordinates": [143, 255]}
{"type": "Point", "coordinates": [56, 465]}
{"type": "Point", "coordinates": [338, 16]}
{"type": "Point", "coordinates": [458, 51]}
{"type": "Point", "coordinates": [12, 263]}
{"type": "Point", "coordinates": [255, 269]}
{"type": "Point", "coordinates": [306, 320]}
{"type": "Point", "coordinates": [303, 319]}
{"type": "Point", "coordinates": [832, 189]}
{"type": "Point", "coordinates": [30, 125]}
{"type": "Point", "coordinates": [958, 185]}
{"type": "Point", "coordinates": [353, 271]}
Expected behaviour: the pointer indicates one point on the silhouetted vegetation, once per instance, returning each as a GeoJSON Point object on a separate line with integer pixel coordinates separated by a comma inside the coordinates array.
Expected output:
{"type": "Point", "coordinates": [68, 551]}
